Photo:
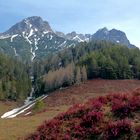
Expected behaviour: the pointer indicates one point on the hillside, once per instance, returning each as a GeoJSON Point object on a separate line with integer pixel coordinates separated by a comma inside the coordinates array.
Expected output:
{"type": "Point", "coordinates": [114, 116]}
{"type": "Point", "coordinates": [58, 102]}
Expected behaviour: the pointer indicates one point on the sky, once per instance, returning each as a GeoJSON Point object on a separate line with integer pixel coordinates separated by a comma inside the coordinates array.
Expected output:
{"type": "Point", "coordinates": [82, 16]}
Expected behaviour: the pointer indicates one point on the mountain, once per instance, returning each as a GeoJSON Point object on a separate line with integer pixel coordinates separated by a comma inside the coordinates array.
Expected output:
{"type": "Point", "coordinates": [115, 36]}
{"type": "Point", "coordinates": [33, 38]}
{"type": "Point", "coordinates": [30, 26]}
{"type": "Point", "coordinates": [78, 37]}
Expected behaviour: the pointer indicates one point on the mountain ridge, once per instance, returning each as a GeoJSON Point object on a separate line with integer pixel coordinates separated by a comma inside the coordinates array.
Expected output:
{"type": "Point", "coordinates": [33, 38]}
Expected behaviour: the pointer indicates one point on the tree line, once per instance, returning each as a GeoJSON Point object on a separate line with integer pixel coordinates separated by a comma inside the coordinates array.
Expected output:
{"type": "Point", "coordinates": [112, 63]}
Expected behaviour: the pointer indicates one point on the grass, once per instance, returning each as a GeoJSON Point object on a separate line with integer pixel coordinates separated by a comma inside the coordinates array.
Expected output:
{"type": "Point", "coordinates": [60, 101]}
{"type": "Point", "coordinates": [6, 106]}
{"type": "Point", "coordinates": [11, 129]}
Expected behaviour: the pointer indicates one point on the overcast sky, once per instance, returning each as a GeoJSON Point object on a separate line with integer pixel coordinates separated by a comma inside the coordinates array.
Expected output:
{"type": "Point", "coordinates": [82, 16]}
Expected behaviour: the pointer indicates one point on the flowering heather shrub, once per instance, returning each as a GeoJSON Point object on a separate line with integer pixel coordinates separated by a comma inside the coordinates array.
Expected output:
{"type": "Point", "coordinates": [118, 129]}
{"type": "Point", "coordinates": [121, 109]}
{"type": "Point", "coordinates": [137, 130]}
{"type": "Point", "coordinates": [47, 131]}
{"type": "Point", "coordinates": [135, 103]}
{"type": "Point", "coordinates": [78, 132]}
{"type": "Point", "coordinates": [94, 105]}
{"type": "Point", "coordinates": [86, 128]}
{"type": "Point", "coordinates": [136, 92]}
{"type": "Point", "coordinates": [121, 97]}
{"type": "Point", "coordinates": [125, 107]}
{"type": "Point", "coordinates": [89, 121]}
{"type": "Point", "coordinates": [81, 133]}
{"type": "Point", "coordinates": [102, 100]}
{"type": "Point", "coordinates": [76, 112]}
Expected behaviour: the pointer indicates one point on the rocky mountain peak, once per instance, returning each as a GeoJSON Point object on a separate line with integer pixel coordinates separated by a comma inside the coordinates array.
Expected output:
{"type": "Point", "coordinates": [30, 24]}
{"type": "Point", "coordinates": [77, 37]}
{"type": "Point", "coordinates": [113, 35]}
{"type": "Point", "coordinates": [104, 30]}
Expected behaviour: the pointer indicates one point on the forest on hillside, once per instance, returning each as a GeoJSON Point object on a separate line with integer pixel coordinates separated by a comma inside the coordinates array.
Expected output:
{"type": "Point", "coordinates": [97, 59]}
{"type": "Point", "coordinates": [14, 79]}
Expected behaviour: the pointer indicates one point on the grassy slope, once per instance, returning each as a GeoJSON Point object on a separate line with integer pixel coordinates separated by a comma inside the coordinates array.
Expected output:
{"type": "Point", "coordinates": [59, 101]}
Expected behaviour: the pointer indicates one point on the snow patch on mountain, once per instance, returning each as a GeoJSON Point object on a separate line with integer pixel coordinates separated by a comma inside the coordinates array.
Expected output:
{"type": "Point", "coordinates": [31, 33]}
{"type": "Point", "coordinates": [46, 32]}
{"type": "Point", "coordinates": [33, 54]}
{"type": "Point", "coordinates": [62, 45]}
{"type": "Point", "coordinates": [36, 29]}
{"type": "Point", "coordinates": [28, 23]}
{"type": "Point", "coordinates": [51, 37]}
{"type": "Point", "coordinates": [46, 47]}
{"type": "Point", "coordinates": [13, 36]}
{"type": "Point", "coordinates": [5, 36]}
{"type": "Point", "coordinates": [15, 52]}
{"type": "Point", "coordinates": [28, 40]}
{"type": "Point", "coordinates": [78, 38]}
{"type": "Point", "coordinates": [71, 45]}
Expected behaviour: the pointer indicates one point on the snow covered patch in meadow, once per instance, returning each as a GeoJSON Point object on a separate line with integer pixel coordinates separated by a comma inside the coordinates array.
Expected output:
{"type": "Point", "coordinates": [28, 113]}
{"type": "Point", "coordinates": [17, 111]}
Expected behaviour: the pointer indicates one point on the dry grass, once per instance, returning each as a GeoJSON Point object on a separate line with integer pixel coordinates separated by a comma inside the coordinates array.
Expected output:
{"type": "Point", "coordinates": [11, 129]}
{"type": "Point", "coordinates": [59, 101]}
{"type": "Point", "coordinates": [5, 106]}
{"type": "Point", "coordinates": [90, 89]}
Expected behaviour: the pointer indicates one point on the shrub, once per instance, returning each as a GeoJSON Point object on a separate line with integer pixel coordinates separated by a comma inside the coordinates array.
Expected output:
{"type": "Point", "coordinates": [118, 129]}
{"type": "Point", "coordinates": [135, 103]}
{"type": "Point", "coordinates": [137, 130]}
{"type": "Point", "coordinates": [39, 105]}
{"type": "Point", "coordinates": [76, 111]}
{"type": "Point", "coordinates": [90, 119]}
{"type": "Point", "coordinates": [95, 105]}
{"type": "Point", "coordinates": [121, 109]}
